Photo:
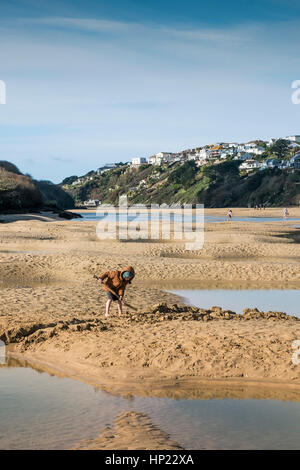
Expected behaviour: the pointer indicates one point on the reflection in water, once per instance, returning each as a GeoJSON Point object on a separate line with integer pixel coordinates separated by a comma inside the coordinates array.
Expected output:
{"type": "Point", "coordinates": [42, 411]}
{"type": "Point", "coordinates": [187, 388]}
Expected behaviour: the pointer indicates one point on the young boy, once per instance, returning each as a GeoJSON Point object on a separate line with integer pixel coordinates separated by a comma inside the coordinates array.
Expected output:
{"type": "Point", "coordinates": [116, 281]}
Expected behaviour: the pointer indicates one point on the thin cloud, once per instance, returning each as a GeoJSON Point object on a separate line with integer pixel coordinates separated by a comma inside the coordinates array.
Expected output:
{"type": "Point", "coordinates": [234, 34]}
{"type": "Point", "coordinates": [110, 90]}
{"type": "Point", "coordinates": [83, 24]}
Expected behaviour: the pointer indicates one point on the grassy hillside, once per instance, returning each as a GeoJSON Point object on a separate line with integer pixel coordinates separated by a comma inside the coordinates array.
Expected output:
{"type": "Point", "coordinates": [18, 191]}
{"type": "Point", "coordinates": [54, 196]}
{"type": "Point", "coordinates": [218, 185]}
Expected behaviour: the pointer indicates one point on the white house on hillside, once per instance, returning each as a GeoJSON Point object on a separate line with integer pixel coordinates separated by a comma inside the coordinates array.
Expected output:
{"type": "Point", "coordinates": [204, 154]}
{"type": "Point", "coordinates": [165, 156]}
{"type": "Point", "coordinates": [162, 157]}
{"type": "Point", "coordinates": [211, 153]}
{"type": "Point", "coordinates": [243, 156]}
{"type": "Point", "coordinates": [152, 160]}
{"type": "Point", "coordinates": [257, 150]}
{"type": "Point", "coordinates": [233, 145]}
{"type": "Point", "coordinates": [250, 165]}
{"type": "Point", "coordinates": [293, 138]}
{"type": "Point", "coordinates": [92, 203]}
{"type": "Point", "coordinates": [106, 167]}
{"type": "Point", "coordinates": [271, 142]}
{"type": "Point", "coordinates": [138, 161]}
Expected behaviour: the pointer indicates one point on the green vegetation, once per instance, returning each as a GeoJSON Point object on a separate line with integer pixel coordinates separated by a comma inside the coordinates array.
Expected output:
{"type": "Point", "coordinates": [54, 196]}
{"type": "Point", "coordinates": [280, 149]}
{"type": "Point", "coordinates": [215, 185]}
{"type": "Point", "coordinates": [69, 180]}
{"type": "Point", "coordinates": [18, 191]}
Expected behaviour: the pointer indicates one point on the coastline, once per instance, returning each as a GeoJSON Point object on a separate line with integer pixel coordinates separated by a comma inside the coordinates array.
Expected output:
{"type": "Point", "coordinates": [42, 214]}
{"type": "Point", "coordinates": [52, 311]}
{"type": "Point", "coordinates": [176, 386]}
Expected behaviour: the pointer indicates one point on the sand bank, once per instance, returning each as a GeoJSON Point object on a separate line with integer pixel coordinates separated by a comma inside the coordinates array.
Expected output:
{"type": "Point", "coordinates": [53, 311]}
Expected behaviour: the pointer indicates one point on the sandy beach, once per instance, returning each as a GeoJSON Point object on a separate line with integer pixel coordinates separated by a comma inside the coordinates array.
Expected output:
{"type": "Point", "coordinates": [52, 310]}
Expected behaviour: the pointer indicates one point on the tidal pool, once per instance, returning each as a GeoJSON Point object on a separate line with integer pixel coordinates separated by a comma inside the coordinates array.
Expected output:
{"type": "Point", "coordinates": [42, 411]}
{"type": "Point", "coordinates": [155, 216]}
{"type": "Point", "coordinates": [285, 300]}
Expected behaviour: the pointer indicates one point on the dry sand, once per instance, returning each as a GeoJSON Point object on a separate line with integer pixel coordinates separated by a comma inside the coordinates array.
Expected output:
{"type": "Point", "coordinates": [52, 311]}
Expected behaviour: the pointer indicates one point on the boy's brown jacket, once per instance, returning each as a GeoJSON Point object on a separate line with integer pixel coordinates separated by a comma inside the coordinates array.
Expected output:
{"type": "Point", "coordinates": [115, 281]}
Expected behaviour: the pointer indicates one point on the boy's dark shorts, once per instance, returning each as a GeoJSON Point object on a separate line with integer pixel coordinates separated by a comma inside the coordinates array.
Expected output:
{"type": "Point", "coordinates": [111, 296]}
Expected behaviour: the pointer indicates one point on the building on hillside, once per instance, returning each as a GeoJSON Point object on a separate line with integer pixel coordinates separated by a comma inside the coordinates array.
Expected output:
{"type": "Point", "coordinates": [294, 145]}
{"type": "Point", "coordinates": [179, 157]}
{"type": "Point", "coordinates": [76, 182]}
{"type": "Point", "coordinates": [250, 165]}
{"type": "Point", "coordinates": [241, 148]}
{"type": "Point", "coordinates": [92, 203]}
{"type": "Point", "coordinates": [162, 157]}
{"type": "Point", "coordinates": [256, 150]}
{"type": "Point", "coordinates": [194, 154]}
{"type": "Point", "coordinates": [182, 156]}
{"type": "Point", "coordinates": [152, 160]}
{"type": "Point", "coordinates": [293, 138]}
{"type": "Point", "coordinates": [295, 162]}
{"type": "Point", "coordinates": [227, 152]}
{"type": "Point", "coordinates": [215, 152]}
{"type": "Point", "coordinates": [251, 147]}
{"type": "Point", "coordinates": [165, 156]}
{"type": "Point", "coordinates": [284, 165]}
{"type": "Point", "coordinates": [271, 163]}
{"type": "Point", "coordinates": [210, 153]}
{"type": "Point", "coordinates": [243, 156]}
{"type": "Point", "coordinates": [106, 167]}
{"type": "Point", "coordinates": [271, 142]}
{"type": "Point", "coordinates": [138, 161]}
{"type": "Point", "coordinates": [224, 154]}
{"type": "Point", "coordinates": [204, 154]}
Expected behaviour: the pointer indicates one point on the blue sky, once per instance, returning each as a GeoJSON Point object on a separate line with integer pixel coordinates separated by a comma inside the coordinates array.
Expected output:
{"type": "Point", "coordinates": [94, 82]}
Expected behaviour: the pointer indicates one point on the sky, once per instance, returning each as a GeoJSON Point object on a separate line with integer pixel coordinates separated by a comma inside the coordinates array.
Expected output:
{"type": "Point", "coordinates": [91, 82]}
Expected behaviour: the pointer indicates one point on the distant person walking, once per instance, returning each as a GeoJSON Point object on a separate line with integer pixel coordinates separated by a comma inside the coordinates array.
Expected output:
{"type": "Point", "coordinates": [229, 214]}
{"type": "Point", "coordinates": [285, 213]}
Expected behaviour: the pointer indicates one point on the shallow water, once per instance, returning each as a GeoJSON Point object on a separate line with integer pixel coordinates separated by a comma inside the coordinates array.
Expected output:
{"type": "Point", "coordinates": [111, 217]}
{"type": "Point", "coordinates": [40, 411]}
{"type": "Point", "coordinates": [287, 301]}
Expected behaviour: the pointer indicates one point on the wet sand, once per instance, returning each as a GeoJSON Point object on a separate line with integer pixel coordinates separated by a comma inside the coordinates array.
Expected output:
{"type": "Point", "coordinates": [52, 311]}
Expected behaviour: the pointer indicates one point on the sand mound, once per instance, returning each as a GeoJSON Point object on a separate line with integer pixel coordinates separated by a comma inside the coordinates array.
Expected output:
{"type": "Point", "coordinates": [36, 332]}
{"type": "Point", "coordinates": [52, 309]}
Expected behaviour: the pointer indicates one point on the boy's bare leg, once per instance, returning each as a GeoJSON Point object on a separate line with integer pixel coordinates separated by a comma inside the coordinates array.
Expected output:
{"type": "Point", "coordinates": [120, 307]}
{"type": "Point", "coordinates": [108, 303]}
